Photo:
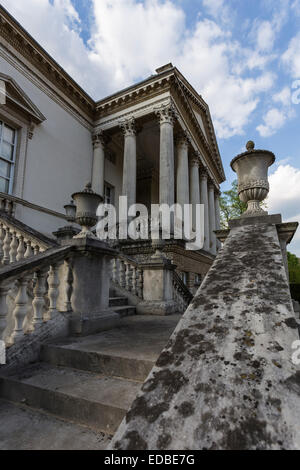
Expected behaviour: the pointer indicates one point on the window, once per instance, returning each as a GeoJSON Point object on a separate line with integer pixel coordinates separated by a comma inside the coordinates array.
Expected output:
{"type": "Point", "coordinates": [7, 157]}
{"type": "Point", "coordinates": [184, 277]}
{"type": "Point", "coordinates": [108, 194]}
{"type": "Point", "coordinates": [198, 279]}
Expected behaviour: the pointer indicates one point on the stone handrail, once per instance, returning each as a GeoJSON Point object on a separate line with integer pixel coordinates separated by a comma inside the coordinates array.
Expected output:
{"type": "Point", "coordinates": [39, 275]}
{"type": "Point", "coordinates": [128, 274]}
{"type": "Point", "coordinates": [182, 294]}
{"type": "Point", "coordinates": [18, 241]}
{"type": "Point", "coordinates": [8, 204]}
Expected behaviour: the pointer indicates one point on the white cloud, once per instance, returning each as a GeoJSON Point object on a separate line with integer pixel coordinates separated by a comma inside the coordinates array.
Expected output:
{"type": "Point", "coordinates": [291, 57]}
{"type": "Point", "coordinates": [284, 197]}
{"type": "Point", "coordinates": [265, 36]}
{"type": "Point", "coordinates": [218, 10]}
{"type": "Point", "coordinates": [283, 97]}
{"type": "Point", "coordinates": [273, 120]}
{"type": "Point", "coordinates": [130, 39]}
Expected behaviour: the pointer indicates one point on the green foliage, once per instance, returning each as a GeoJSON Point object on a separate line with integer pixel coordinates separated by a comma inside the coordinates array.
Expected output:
{"type": "Point", "coordinates": [294, 268]}
{"type": "Point", "coordinates": [230, 205]}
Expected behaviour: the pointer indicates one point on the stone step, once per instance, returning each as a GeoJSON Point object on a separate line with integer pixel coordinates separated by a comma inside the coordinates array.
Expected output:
{"type": "Point", "coordinates": [125, 310]}
{"type": "Point", "coordinates": [111, 364]}
{"type": "Point", "coordinates": [89, 399]}
{"type": "Point", "coordinates": [118, 301]}
{"type": "Point", "coordinates": [24, 428]}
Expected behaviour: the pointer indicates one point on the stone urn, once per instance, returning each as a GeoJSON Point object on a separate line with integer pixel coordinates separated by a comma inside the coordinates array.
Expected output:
{"type": "Point", "coordinates": [87, 202]}
{"type": "Point", "coordinates": [252, 171]}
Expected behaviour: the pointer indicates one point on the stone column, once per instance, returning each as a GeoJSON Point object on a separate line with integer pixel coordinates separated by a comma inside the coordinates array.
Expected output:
{"type": "Point", "coordinates": [98, 164]}
{"type": "Point", "coordinates": [217, 207]}
{"type": "Point", "coordinates": [182, 150]}
{"type": "Point", "coordinates": [166, 175]}
{"type": "Point", "coordinates": [194, 185]}
{"type": "Point", "coordinates": [129, 165]}
{"type": "Point", "coordinates": [212, 218]}
{"type": "Point", "coordinates": [204, 201]}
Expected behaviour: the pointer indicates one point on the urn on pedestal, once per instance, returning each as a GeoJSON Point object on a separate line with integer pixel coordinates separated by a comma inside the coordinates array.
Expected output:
{"type": "Point", "coordinates": [87, 202]}
{"type": "Point", "coordinates": [252, 171]}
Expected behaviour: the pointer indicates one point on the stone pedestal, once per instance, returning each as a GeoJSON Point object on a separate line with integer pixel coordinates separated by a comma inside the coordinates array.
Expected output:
{"type": "Point", "coordinates": [91, 281]}
{"type": "Point", "coordinates": [158, 287]}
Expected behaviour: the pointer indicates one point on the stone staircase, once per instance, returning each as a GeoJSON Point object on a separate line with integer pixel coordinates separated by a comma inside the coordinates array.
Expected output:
{"type": "Point", "coordinates": [120, 304]}
{"type": "Point", "coordinates": [82, 387]}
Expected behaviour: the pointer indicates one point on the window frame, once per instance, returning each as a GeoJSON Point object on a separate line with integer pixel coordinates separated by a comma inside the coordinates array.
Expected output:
{"type": "Point", "coordinates": [112, 188]}
{"type": "Point", "coordinates": [11, 162]}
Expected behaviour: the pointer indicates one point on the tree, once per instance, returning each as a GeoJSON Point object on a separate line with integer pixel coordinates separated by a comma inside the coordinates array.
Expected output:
{"type": "Point", "coordinates": [231, 206]}
{"type": "Point", "coordinates": [294, 268]}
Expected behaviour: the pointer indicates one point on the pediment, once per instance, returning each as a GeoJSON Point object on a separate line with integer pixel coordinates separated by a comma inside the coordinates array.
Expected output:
{"type": "Point", "coordinates": [17, 98]}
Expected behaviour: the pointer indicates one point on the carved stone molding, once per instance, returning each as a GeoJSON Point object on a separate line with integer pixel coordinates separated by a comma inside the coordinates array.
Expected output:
{"type": "Point", "coordinates": [182, 139]}
{"type": "Point", "coordinates": [167, 114]}
{"type": "Point", "coordinates": [253, 184]}
{"type": "Point", "coordinates": [203, 174]}
{"type": "Point", "coordinates": [98, 139]}
{"type": "Point", "coordinates": [194, 161]}
{"type": "Point", "coordinates": [129, 127]}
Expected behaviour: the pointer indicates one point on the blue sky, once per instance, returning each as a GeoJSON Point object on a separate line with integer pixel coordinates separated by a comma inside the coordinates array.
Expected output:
{"type": "Point", "coordinates": [243, 57]}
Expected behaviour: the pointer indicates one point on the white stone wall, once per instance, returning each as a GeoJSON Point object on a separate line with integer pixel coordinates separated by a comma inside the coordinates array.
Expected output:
{"type": "Point", "coordinates": [58, 159]}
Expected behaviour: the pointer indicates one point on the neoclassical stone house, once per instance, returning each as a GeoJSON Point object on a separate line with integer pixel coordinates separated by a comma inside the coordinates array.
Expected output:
{"type": "Point", "coordinates": [153, 142]}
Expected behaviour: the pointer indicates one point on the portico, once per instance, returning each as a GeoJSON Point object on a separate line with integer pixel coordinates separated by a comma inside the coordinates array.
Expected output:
{"type": "Point", "coordinates": [165, 153]}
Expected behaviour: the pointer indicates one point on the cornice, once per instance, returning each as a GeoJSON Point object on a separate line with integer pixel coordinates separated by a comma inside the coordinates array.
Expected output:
{"type": "Point", "coordinates": [134, 95]}
{"type": "Point", "coordinates": [15, 35]}
{"type": "Point", "coordinates": [215, 157]}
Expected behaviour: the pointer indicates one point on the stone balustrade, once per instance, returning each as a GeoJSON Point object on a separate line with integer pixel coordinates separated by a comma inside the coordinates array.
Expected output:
{"type": "Point", "coordinates": [127, 274]}
{"type": "Point", "coordinates": [69, 280]}
{"type": "Point", "coordinates": [18, 241]}
{"type": "Point", "coordinates": [182, 295]}
{"type": "Point", "coordinates": [29, 290]}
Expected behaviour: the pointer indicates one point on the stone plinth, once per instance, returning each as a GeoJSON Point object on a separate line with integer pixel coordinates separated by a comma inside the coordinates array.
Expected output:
{"type": "Point", "coordinates": [158, 287]}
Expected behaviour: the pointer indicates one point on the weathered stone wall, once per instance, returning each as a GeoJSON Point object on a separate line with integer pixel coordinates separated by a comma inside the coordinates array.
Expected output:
{"type": "Point", "coordinates": [226, 379]}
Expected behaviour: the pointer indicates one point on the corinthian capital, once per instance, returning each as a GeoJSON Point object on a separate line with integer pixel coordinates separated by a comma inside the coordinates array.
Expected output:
{"type": "Point", "coordinates": [166, 114]}
{"type": "Point", "coordinates": [182, 139]}
{"type": "Point", "coordinates": [195, 161]}
{"type": "Point", "coordinates": [98, 139]}
{"type": "Point", "coordinates": [128, 127]}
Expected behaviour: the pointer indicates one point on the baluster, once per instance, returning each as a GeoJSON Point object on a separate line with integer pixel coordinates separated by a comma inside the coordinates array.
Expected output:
{"type": "Point", "coordinates": [20, 309]}
{"type": "Point", "coordinates": [38, 302]}
{"type": "Point", "coordinates": [68, 285]}
{"type": "Point", "coordinates": [21, 249]}
{"type": "Point", "coordinates": [3, 310]}
{"type": "Point", "coordinates": [36, 250]}
{"type": "Point", "coordinates": [29, 251]}
{"type": "Point", "coordinates": [53, 283]}
{"type": "Point", "coordinates": [127, 276]}
{"type": "Point", "coordinates": [122, 274]}
{"type": "Point", "coordinates": [2, 236]}
{"type": "Point", "coordinates": [2, 204]}
{"type": "Point", "coordinates": [140, 283]}
{"type": "Point", "coordinates": [13, 248]}
{"type": "Point", "coordinates": [114, 270]}
{"type": "Point", "coordinates": [6, 247]}
{"type": "Point", "coordinates": [134, 280]}
{"type": "Point", "coordinates": [10, 208]}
